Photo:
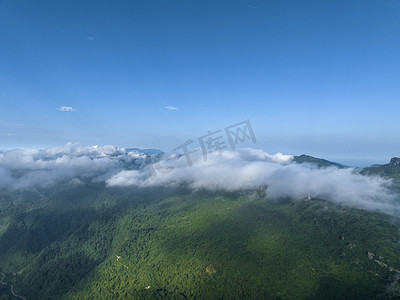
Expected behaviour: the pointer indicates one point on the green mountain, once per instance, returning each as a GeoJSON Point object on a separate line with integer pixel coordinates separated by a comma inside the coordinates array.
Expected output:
{"type": "Point", "coordinates": [93, 242]}
{"type": "Point", "coordinates": [320, 163]}
{"type": "Point", "coordinates": [390, 170]}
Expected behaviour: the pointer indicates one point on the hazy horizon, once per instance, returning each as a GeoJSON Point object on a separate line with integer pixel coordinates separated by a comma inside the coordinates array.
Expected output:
{"type": "Point", "coordinates": [358, 162]}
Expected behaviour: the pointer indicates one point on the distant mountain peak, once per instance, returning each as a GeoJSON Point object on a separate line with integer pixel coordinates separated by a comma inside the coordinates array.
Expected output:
{"type": "Point", "coordinates": [321, 163]}
{"type": "Point", "coordinates": [395, 161]}
{"type": "Point", "coordinates": [390, 170]}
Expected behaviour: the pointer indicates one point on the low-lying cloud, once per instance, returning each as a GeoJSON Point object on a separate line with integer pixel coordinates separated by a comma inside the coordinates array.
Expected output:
{"type": "Point", "coordinates": [252, 169]}
{"type": "Point", "coordinates": [229, 170]}
{"type": "Point", "coordinates": [31, 168]}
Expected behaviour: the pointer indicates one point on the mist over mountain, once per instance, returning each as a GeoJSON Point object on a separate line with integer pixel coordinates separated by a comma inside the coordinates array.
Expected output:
{"type": "Point", "coordinates": [85, 239]}
{"type": "Point", "coordinates": [279, 114]}
{"type": "Point", "coordinates": [137, 223]}
{"type": "Point", "coordinates": [32, 168]}
{"type": "Point", "coordinates": [390, 170]}
{"type": "Point", "coordinates": [282, 175]}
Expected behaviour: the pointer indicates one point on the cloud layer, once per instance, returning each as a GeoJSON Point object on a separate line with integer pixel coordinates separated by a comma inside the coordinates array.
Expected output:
{"type": "Point", "coordinates": [230, 170]}
{"type": "Point", "coordinates": [30, 168]}
{"type": "Point", "coordinates": [252, 169]}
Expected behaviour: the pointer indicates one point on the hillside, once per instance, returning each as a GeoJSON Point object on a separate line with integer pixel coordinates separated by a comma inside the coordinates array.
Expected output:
{"type": "Point", "coordinates": [92, 242]}
{"type": "Point", "coordinates": [319, 162]}
{"type": "Point", "coordinates": [390, 170]}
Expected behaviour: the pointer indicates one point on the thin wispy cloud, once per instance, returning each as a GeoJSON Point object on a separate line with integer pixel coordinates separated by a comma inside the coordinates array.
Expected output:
{"type": "Point", "coordinates": [90, 38]}
{"type": "Point", "coordinates": [170, 107]}
{"type": "Point", "coordinates": [66, 108]}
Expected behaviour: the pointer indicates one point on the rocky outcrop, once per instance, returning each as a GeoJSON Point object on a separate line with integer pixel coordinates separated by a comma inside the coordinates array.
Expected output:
{"type": "Point", "coordinates": [379, 262]}
{"type": "Point", "coordinates": [395, 161]}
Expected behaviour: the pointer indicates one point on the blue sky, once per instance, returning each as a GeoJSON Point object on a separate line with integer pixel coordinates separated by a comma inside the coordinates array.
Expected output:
{"type": "Point", "coordinates": [316, 77]}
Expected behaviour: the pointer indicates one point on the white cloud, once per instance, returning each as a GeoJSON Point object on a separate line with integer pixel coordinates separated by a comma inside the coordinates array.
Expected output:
{"type": "Point", "coordinates": [251, 169]}
{"type": "Point", "coordinates": [39, 168]}
{"type": "Point", "coordinates": [65, 108]}
{"type": "Point", "coordinates": [125, 178]}
{"type": "Point", "coordinates": [170, 107]}
{"type": "Point", "coordinates": [231, 170]}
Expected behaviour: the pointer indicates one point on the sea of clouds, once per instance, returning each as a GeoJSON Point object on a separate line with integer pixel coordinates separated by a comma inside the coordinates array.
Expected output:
{"type": "Point", "coordinates": [229, 170]}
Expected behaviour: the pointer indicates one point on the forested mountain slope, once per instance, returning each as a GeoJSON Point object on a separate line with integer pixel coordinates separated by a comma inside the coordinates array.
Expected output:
{"type": "Point", "coordinates": [92, 242]}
